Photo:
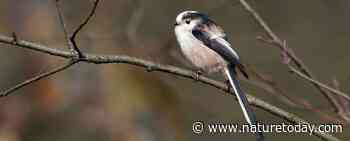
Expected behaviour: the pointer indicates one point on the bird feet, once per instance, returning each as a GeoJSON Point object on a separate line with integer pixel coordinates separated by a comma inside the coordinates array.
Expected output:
{"type": "Point", "coordinates": [197, 74]}
{"type": "Point", "coordinates": [229, 87]}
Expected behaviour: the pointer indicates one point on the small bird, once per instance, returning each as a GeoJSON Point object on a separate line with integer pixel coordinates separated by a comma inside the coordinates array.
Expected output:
{"type": "Point", "coordinates": [206, 46]}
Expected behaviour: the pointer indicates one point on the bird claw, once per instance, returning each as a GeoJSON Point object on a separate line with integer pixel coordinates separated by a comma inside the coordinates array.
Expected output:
{"type": "Point", "coordinates": [197, 74]}
{"type": "Point", "coordinates": [229, 87]}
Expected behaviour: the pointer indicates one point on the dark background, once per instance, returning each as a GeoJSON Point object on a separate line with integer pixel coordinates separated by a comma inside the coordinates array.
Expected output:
{"type": "Point", "coordinates": [126, 103]}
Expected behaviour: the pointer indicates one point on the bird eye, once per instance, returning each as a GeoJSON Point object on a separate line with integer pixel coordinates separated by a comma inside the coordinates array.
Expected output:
{"type": "Point", "coordinates": [188, 21]}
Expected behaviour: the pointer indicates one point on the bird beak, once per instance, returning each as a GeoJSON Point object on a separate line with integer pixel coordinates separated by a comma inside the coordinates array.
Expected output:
{"type": "Point", "coordinates": [176, 24]}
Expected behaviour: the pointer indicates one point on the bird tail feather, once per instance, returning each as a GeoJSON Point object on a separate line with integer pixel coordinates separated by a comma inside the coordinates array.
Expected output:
{"type": "Point", "coordinates": [242, 99]}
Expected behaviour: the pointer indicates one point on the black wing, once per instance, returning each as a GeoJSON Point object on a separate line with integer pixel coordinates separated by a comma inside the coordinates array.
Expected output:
{"type": "Point", "coordinates": [201, 33]}
{"type": "Point", "coordinates": [224, 50]}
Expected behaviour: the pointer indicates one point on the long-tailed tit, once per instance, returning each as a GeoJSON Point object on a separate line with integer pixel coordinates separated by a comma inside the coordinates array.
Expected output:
{"type": "Point", "coordinates": [205, 45]}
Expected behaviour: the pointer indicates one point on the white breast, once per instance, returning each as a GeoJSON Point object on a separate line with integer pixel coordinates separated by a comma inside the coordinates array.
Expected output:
{"type": "Point", "coordinates": [197, 53]}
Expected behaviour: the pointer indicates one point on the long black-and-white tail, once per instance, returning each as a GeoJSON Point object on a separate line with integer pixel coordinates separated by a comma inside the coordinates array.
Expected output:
{"type": "Point", "coordinates": [242, 99]}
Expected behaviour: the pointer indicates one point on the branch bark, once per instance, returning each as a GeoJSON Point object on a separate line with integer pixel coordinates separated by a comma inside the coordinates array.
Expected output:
{"type": "Point", "coordinates": [276, 41]}
{"type": "Point", "coordinates": [151, 66]}
{"type": "Point", "coordinates": [148, 65]}
{"type": "Point", "coordinates": [37, 78]}
{"type": "Point", "coordinates": [279, 43]}
{"type": "Point", "coordinates": [315, 82]}
{"type": "Point", "coordinates": [64, 28]}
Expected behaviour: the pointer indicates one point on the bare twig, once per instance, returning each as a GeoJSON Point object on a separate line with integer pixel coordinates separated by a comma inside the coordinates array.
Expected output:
{"type": "Point", "coordinates": [342, 104]}
{"type": "Point", "coordinates": [36, 78]}
{"type": "Point", "coordinates": [275, 40]}
{"type": "Point", "coordinates": [260, 21]}
{"type": "Point", "coordinates": [272, 87]}
{"type": "Point", "coordinates": [313, 81]}
{"type": "Point", "coordinates": [64, 28]}
{"type": "Point", "coordinates": [289, 117]}
{"type": "Point", "coordinates": [81, 26]}
{"type": "Point", "coordinates": [70, 43]}
{"type": "Point", "coordinates": [148, 65]}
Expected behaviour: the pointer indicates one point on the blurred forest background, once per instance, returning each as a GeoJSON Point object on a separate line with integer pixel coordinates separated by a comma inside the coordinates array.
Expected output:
{"type": "Point", "coordinates": [123, 102]}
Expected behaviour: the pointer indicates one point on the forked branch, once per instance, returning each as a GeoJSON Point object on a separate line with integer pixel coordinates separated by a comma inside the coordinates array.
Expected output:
{"type": "Point", "coordinates": [151, 66]}
{"type": "Point", "coordinates": [276, 41]}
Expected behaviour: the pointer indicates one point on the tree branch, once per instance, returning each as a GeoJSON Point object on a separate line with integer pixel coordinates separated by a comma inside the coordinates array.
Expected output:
{"type": "Point", "coordinates": [342, 103]}
{"type": "Point", "coordinates": [276, 41]}
{"type": "Point", "coordinates": [151, 66]}
{"type": "Point", "coordinates": [70, 43]}
{"type": "Point", "coordinates": [36, 78]}
{"type": "Point", "coordinates": [64, 28]}
{"type": "Point", "coordinates": [148, 65]}
{"type": "Point", "coordinates": [289, 117]}
{"type": "Point", "coordinates": [313, 81]}
{"type": "Point", "coordinates": [81, 26]}
{"type": "Point", "coordinates": [272, 87]}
